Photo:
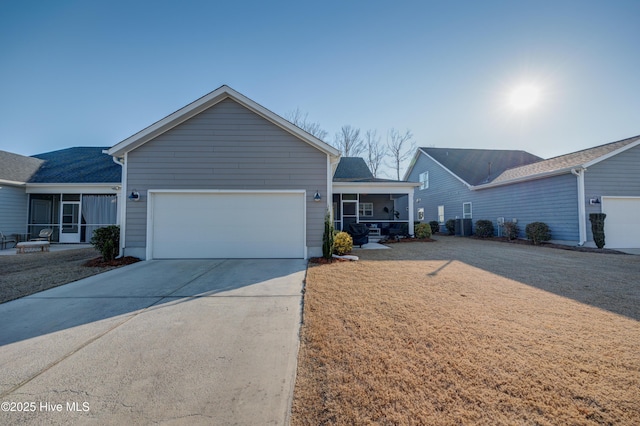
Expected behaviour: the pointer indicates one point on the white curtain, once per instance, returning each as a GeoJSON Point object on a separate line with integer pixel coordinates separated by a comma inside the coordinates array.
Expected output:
{"type": "Point", "coordinates": [98, 211]}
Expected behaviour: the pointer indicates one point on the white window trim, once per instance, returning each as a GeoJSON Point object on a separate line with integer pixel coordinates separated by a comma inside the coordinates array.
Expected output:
{"type": "Point", "coordinates": [362, 211]}
{"type": "Point", "coordinates": [470, 215]}
{"type": "Point", "coordinates": [421, 213]}
{"type": "Point", "coordinates": [424, 180]}
{"type": "Point", "coordinates": [441, 216]}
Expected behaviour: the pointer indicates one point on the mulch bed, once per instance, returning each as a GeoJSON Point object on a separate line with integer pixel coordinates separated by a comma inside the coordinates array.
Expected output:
{"type": "Point", "coordinates": [99, 263]}
{"type": "Point", "coordinates": [551, 245]}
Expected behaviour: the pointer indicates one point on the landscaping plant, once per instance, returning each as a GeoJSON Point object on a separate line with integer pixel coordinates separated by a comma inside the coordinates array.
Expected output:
{"type": "Point", "coordinates": [342, 243]}
{"type": "Point", "coordinates": [484, 229]}
{"type": "Point", "coordinates": [537, 232]}
{"type": "Point", "coordinates": [422, 230]}
{"type": "Point", "coordinates": [511, 230]}
{"type": "Point", "coordinates": [451, 226]}
{"type": "Point", "coordinates": [597, 228]}
{"type": "Point", "coordinates": [327, 237]}
{"type": "Point", "coordinates": [107, 241]}
{"type": "Point", "coordinates": [435, 226]}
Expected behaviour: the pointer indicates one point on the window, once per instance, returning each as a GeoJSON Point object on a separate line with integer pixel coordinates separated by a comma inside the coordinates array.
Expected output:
{"type": "Point", "coordinates": [421, 213]}
{"type": "Point", "coordinates": [424, 180]}
{"type": "Point", "coordinates": [366, 209]}
{"type": "Point", "coordinates": [441, 215]}
{"type": "Point", "coordinates": [466, 210]}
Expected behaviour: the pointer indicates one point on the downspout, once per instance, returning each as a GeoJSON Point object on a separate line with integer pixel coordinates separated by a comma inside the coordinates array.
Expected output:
{"type": "Point", "coordinates": [122, 202]}
{"type": "Point", "coordinates": [582, 215]}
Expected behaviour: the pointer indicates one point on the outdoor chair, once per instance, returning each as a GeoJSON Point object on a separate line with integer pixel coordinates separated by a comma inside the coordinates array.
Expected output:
{"type": "Point", "coordinates": [4, 239]}
{"type": "Point", "coordinates": [359, 233]}
{"type": "Point", "coordinates": [45, 235]}
{"type": "Point", "coordinates": [396, 229]}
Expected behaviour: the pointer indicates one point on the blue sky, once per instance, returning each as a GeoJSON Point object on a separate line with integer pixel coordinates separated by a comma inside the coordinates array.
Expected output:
{"type": "Point", "coordinates": [91, 73]}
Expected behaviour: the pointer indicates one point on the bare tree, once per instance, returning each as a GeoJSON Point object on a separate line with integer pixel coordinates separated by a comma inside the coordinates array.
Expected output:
{"type": "Point", "coordinates": [400, 148]}
{"type": "Point", "coordinates": [301, 120]}
{"type": "Point", "coordinates": [349, 142]}
{"type": "Point", "coordinates": [375, 151]}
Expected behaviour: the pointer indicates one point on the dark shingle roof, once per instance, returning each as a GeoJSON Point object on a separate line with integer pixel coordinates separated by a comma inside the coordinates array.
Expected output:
{"type": "Point", "coordinates": [77, 165]}
{"type": "Point", "coordinates": [564, 162]}
{"type": "Point", "coordinates": [17, 168]}
{"type": "Point", "coordinates": [352, 169]}
{"type": "Point", "coordinates": [479, 166]}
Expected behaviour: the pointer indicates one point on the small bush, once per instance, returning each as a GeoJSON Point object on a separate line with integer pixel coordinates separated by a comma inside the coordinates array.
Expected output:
{"type": "Point", "coordinates": [451, 226]}
{"type": "Point", "coordinates": [537, 232]}
{"type": "Point", "coordinates": [511, 230]}
{"type": "Point", "coordinates": [342, 243]}
{"type": "Point", "coordinates": [422, 230]}
{"type": "Point", "coordinates": [327, 237]}
{"type": "Point", "coordinates": [435, 227]}
{"type": "Point", "coordinates": [107, 241]}
{"type": "Point", "coordinates": [484, 229]}
{"type": "Point", "coordinates": [597, 228]}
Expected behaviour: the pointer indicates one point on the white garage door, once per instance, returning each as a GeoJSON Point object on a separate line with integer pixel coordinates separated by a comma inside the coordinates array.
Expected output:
{"type": "Point", "coordinates": [224, 224]}
{"type": "Point", "coordinates": [622, 224]}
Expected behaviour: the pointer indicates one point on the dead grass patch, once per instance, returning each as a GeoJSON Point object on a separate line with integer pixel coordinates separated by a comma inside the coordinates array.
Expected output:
{"type": "Point", "coordinates": [431, 338]}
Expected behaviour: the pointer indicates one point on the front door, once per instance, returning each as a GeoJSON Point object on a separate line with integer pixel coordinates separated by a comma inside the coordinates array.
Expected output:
{"type": "Point", "coordinates": [70, 220]}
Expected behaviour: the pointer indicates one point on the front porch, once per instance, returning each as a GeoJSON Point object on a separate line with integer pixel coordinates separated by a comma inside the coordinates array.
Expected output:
{"type": "Point", "coordinates": [386, 207]}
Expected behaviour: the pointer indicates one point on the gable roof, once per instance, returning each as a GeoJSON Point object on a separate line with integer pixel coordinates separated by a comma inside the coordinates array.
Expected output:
{"type": "Point", "coordinates": [206, 102]}
{"type": "Point", "coordinates": [479, 166]}
{"type": "Point", "coordinates": [17, 168]}
{"type": "Point", "coordinates": [76, 165]}
{"type": "Point", "coordinates": [565, 163]}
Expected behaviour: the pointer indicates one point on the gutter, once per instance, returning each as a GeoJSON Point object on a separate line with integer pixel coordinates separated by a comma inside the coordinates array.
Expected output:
{"type": "Point", "coordinates": [582, 219]}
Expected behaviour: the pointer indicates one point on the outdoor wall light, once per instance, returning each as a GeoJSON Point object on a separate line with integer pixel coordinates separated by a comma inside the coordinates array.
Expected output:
{"type": "Point", "coordinates": [593, 201]}
{"type": "Point", "coordinates": [134, 196]}
{"type": "Point", "coordinates": [317, 196]}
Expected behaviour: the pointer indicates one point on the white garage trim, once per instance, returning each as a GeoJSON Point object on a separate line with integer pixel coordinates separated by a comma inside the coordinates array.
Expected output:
{"type": "Point", "coordinates": [297, 198]}
{"type": "Point", "coordinates": [622, 224]}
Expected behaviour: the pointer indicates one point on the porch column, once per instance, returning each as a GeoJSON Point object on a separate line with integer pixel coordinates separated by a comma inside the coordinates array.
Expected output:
{"type": "Point", "coordinates": [410, 195]}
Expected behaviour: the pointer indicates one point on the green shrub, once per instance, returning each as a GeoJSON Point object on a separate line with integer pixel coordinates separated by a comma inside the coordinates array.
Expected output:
{"type": "Point", "coordinates": [511, 230]}
{"type": "Point", "coordinates": [538, 232]}
{"type": "Point", "coordinates": [327, 237]}
{"type": "Point", "coordinates": [597, 228]}
{"type": "Point", "coordinates": [422, 230]}
{"type": "Point", "coordinates": [435, 227]}
{"type": "Point", "coordinates": [451, 226]}
{"type": "Point", "coordinates": [107, 241]}
{"type": "Point", "coordinates": [342, 244]}
{"type": "Point", "coordinates": [484, 229]}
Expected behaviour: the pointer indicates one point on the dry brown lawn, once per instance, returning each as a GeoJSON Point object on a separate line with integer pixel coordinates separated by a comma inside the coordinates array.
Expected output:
{"type": "Point", "coordinates": [461, 331]}
{"type": "Point", "coordinates": [25, 274]}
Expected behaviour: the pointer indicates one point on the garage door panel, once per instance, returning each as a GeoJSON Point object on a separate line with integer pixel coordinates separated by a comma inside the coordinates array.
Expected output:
{"type": "Point", "coordinates": [622, 224]}
{"type": "Point", "coordinates": [227, 225]}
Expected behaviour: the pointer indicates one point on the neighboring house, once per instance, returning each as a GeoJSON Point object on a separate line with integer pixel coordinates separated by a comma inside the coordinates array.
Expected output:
{"type": "Point", "coordinates": [561, 191]}
{"type": "Point", "coordinates": [73, 191]}
{"type": "Point", "coordinates": [358, 197]}
{"type": "Point", "coordinates": [224, 177]}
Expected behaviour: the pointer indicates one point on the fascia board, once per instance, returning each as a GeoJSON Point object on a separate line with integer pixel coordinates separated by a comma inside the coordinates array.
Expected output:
{"type": "Point", "coordinates": [72, 188]}
{"type": "Point", "coordinates": [611, 154]}
{"type": "Point", "coordinates": [524, 178]}
{"type": "Point", "coordinates": [374, 188]}
{"type": "Point", "coordinates": [412, 164]}
{"type": "Point", "coordinates": [12, 182]}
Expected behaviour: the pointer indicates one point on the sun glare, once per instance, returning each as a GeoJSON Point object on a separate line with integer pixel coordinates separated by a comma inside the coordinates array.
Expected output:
{"type": "Point", "coordinates": [524, 97]}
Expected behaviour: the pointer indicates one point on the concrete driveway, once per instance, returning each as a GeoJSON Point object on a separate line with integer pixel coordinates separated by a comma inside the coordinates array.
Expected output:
{"type": "Point", "coordinates": [174, 342]}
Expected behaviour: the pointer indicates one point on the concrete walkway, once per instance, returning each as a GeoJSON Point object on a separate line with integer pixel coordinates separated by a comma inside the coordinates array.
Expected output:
{"type": "Point", "coordinates": [177, 342]}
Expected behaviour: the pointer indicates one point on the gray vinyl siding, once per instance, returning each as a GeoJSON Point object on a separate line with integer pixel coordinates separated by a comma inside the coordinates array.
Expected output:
{"type": "Point", "coordinates": [226, 147]}
{"type": "Point", "coordinates": [552, 200]}
{"type": "Point", "coordinates": [615, 176]}
{"type": "Point", "coordinates": [13, 210]}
